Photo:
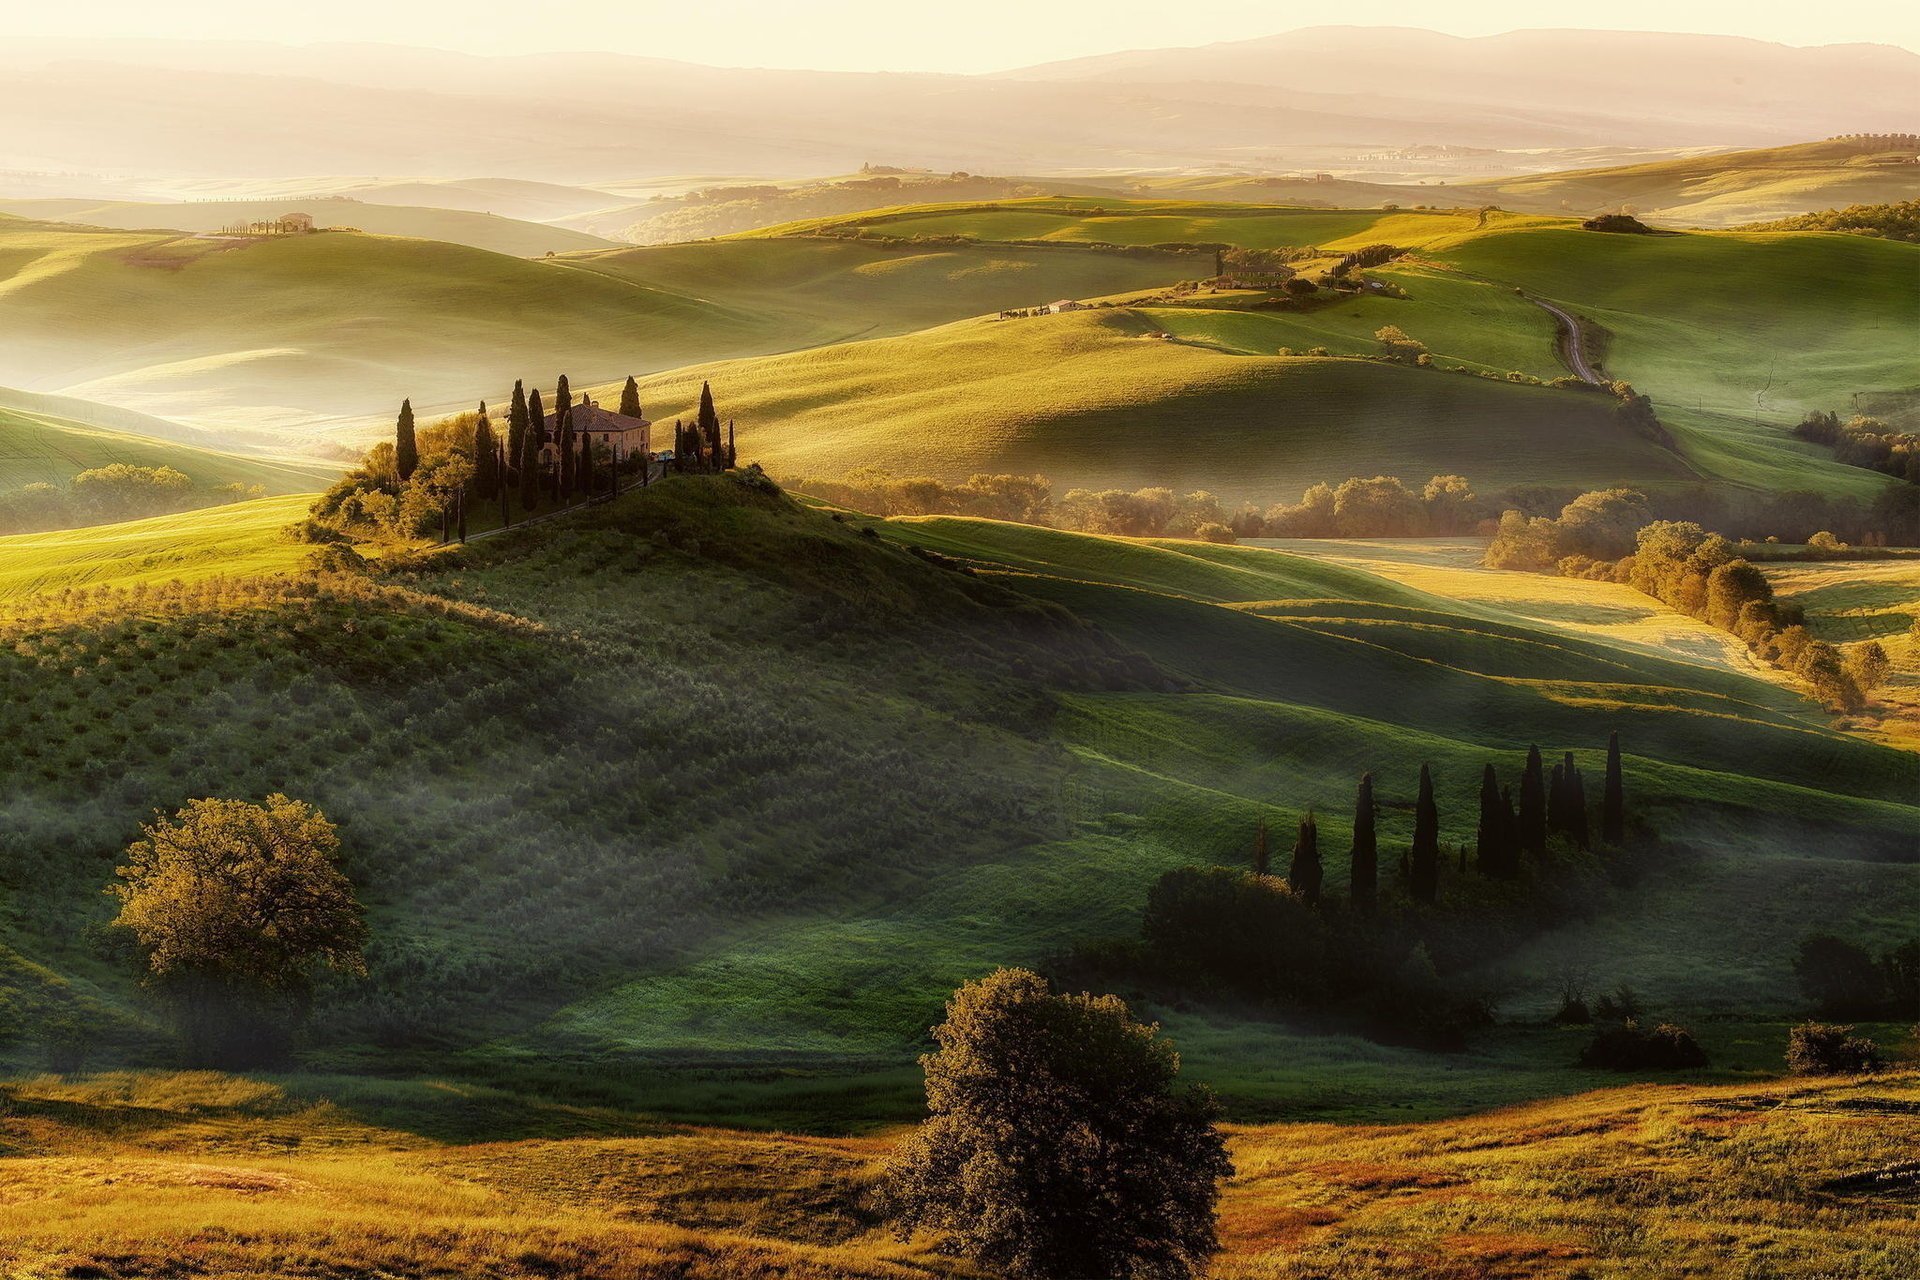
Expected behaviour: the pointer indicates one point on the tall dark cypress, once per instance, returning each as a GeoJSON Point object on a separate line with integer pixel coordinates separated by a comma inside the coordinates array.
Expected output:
{"type": "Point", "coordinates": [565, 476]}
{"type": "Point", "coordinates": [485, 478]}
{"type": "Point", "coordinates": [530, 455]}
{"type": "Point", "coordinates": [406, 450]}
{"type": "Point", "coordinates": [1577, 810]}
{"type": "Point", "coordinates": [1533, 805]}
{"type": "Point", "coordinates": [1364, 864]}
{"type": "Point", "coordinates": [1557, 800]}
{"type": "Point", "coordinates": [1490, 838]}
{"type": "Point", "coordinates": [516, 428]}
{"type": "Point", "coordinates": [630, 399]}
{"type": "Point", "coordinates": [500, 466]}
{"type": "Point", "coordinates": [1423, 878]}
{"type": "Point", "coordinates": [1613, 803]}
{"type": "Point", "coordinates": [708, 423]}
{"type": "Point", "coordinates": [583, 473]}
{"type": "Point", "coordinates": [733, 454]}
{"type": "Point", "coordinates": [1510, 846]}
{"type": "Point", "coordinates": [1304, 873]}
{"type": "Point", "coordinates": [1262, 855]}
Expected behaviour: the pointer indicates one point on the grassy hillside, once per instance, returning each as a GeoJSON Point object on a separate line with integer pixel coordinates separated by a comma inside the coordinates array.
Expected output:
{"type": "Point", "coordinates": [1152, 222]}
{"type": "Point", "coordinates": [242, 538]}
{"type": "Point", "coordinates": [455, 226]}
{"type": "Point", "coordinates": [701, 782]}
{"type": "Point", "coordinates": [1735, 335]}
{"type": "Point", "coordinates": [40, 448]}
{"type": "Point", "coordinates": [305, 330]}
{"type": "Point", "coordinates": [319, 1177]}
{"type": "Point", "coordinates": [1722, 189]}
{"type": "Point", "coordinates": [1088, 400]}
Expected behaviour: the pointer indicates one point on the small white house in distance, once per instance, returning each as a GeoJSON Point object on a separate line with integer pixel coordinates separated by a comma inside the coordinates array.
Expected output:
{"type": "Point", "coordinates": [1064, 305]}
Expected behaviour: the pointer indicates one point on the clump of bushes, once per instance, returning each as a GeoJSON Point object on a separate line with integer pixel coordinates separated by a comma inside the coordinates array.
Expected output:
{"type": "Point", "coordinates": [1628, 1046]}
{"type": "Point", "coordinates": [1619, 223]}
{"type": "Point", "coordinates": [1829, 1049]}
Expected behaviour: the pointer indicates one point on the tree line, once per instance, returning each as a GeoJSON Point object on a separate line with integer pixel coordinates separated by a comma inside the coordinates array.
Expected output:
{"type": "Point", "coordinates": [1864, 441]}
{"type": "Point", "coordinates": [109, 494]}
{"type": "Point", "coordinates": [1605, 535]}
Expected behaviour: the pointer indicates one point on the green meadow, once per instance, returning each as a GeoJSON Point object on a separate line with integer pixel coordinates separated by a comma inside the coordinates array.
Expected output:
{"type": "Point", "coordinates": [42, 448]}
{"type": "Point", "coordinates": [700, 801]}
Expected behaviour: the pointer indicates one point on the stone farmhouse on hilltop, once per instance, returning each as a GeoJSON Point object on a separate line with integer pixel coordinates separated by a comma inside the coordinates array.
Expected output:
{"type": "Point", "coordinates": [624, 437]}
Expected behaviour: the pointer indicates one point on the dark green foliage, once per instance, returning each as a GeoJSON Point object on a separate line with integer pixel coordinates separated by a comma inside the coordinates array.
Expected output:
{"type": "Point", "coordinates": [1493, 854]}
{"type": "Point", "coordinates": [1627, 1046]}
{"type": "Point", "coordinates": [583, 470]}
{"type": "Point", "coordinates": [1423, 879]}
{"type": "Point", "coordinates": [516, 429]}
{"type": "Point", "coordinates": [1613, 803]}
{"type": "Point", "coordinates": [1304, 873]}
{"type": "Point", "coordinates": [1557, 800]}
{"type": "Point", "coordinates": [406, 450]}
{"type": "Point", "coordinates": [1219, 927]}
{"type": "Point", "coordinates": [1841, 979]}
{"type": "Point", "coordinates": [1053, 1120]}
{"type": "Point", "coordinates": [1262, 854]}
{"type": "Point", "coordinates": [1576, 802]}
{"type": "Point", "coordinates": [1823, 1049]}
{"type": "Point", "coordinates": [1620, 223]}
{"type": "Point", "coordinates": [486, 457]}
{"type": "Point", "coordinates": [536, 439]}
{"type": "Point", "coordinates": [1533, 805]}
{"type": "Point", "coordinates": [1364, 861]}
{"type": "Point", "coordinates": [566, 474]}
{"type": "Point", "coordinates": [630, 399]}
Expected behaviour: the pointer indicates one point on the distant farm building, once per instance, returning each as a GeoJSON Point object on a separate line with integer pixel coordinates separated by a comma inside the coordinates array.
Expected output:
{"type": "Point", "coordinates": [1063, 306]}
{"type": "Point", "coordinates": [292, 223]}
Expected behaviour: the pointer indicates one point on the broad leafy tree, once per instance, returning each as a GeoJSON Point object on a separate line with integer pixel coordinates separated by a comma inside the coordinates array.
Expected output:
{"type": "Point", "coordinates": [1057, 1147]}
{"type": "Point", "coordinates": [236, 906]}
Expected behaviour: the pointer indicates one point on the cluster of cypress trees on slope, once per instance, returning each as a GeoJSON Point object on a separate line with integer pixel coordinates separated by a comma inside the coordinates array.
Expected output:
{"type": "Point", "coordinates": [1551, 803]}
{"type": "Point", "coordinates": [699, 446]}
{"type": "Point", "coordinates": [501, 467]}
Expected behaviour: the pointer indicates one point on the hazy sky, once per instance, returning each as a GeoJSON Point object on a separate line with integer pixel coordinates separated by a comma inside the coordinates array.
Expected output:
{"type": "Point", "coordinates": [909, 35]}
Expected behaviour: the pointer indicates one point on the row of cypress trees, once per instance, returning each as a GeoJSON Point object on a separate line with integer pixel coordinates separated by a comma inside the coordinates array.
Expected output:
{"type": "Point", "coordinates": [1551, 803]}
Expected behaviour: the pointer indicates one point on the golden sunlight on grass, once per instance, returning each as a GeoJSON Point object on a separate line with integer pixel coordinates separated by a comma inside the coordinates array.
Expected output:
{"type": "Point", "coordinates": [192, 1173]}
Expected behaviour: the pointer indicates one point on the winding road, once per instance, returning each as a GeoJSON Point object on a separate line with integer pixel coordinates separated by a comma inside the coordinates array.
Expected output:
{"type": "Point", "coordinates": [1571, 346]}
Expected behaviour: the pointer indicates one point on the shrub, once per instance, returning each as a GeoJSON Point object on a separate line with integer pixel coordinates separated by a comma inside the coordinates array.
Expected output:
{"type": "Point", "coordinates": [1838, 977]}
{"type": "Point", "coordinates": [1828, 1049]}
{"type": "Point", "coordinates": [1629, 1047]}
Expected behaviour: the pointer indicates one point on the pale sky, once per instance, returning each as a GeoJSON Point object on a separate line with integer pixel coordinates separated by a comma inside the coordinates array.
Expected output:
{"type": "Point", "coordinates": [911, 35]}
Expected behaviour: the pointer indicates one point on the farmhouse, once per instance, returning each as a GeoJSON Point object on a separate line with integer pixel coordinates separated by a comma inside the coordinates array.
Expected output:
{"type": "Point", "coordinates": [295, 223]}
{"type": "Point", "coordinates": [623, 436]}
{"type": "Point", "coordinates": [1064, 305]}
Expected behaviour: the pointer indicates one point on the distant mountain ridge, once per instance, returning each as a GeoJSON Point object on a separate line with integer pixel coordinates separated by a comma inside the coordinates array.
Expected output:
{"type": "Point", "coordinates": [264, 111]}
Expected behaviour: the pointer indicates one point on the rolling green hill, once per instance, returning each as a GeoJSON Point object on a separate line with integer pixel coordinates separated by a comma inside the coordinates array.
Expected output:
{"type": "Point", "coordinates": [1086, 399]}
{"type": "Point", "coordinates": [1721, 189]}
{"type": "Point", "coordinates": [305, 331]}
{"type": "Point", "coordinates": [41, 448]}
{"type": "Point", "coordinates": [701, 782]}
{"type": "Point", "coordinates": [242, 538]}
{"type": "Point", "coordinates": [455, 226]}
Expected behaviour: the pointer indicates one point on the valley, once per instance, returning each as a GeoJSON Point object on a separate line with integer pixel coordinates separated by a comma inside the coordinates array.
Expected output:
{"type": "Point", "coordinates": [620, 668]}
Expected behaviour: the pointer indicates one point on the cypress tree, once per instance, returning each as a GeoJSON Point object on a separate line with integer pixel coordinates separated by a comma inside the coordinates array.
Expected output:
{"type": "Point", "coordinates": [406, 450]}
{"type": "Point", "coordinates": [1510, 834]}
{"type": "Point", "coordinates": [1423, 880]}
{"type": "Point", "coordinates": [1613, 803]}
{"type": "Point", "coordinates": [565, 475]}
{"type": "Point", "coordinates": [1490, 838]}
{"type": "Point", "coordinates": [708, 423]}
{"type": "Point", "coordinates": [584, 472]}
{"type": "Point", "coordinates": [1577, 810]}
{"type": "Point", "coordinates": [530, 457]}
{"type": "Point", "coordinates": [485, 477]}
{"type": "Point", "coordinates": [516, 428]}
{"type": "Point", "coordinates": [461, 500]}
{"type": "Point", "coordinates": [630, 399]}
{"type": "Point", "coordinates": [1557, 800]}
{"type": "Point", "coordinates": [500, 466]}
{"type": "Point", "coordinates": [733, 454]}
{"type": "Point", "coordinates": [1364, 864]}
{"type": "Point", "coordinates": [1261, 856]}
{"type": "Point", "coordinates": [1304, 873]}
{"type": "Point", "coordinates": [1533, 806]}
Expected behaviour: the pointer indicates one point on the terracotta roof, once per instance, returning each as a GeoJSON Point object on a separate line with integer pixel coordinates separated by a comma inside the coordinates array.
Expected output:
{"type": "Point", "coordinates": [588, 416]}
